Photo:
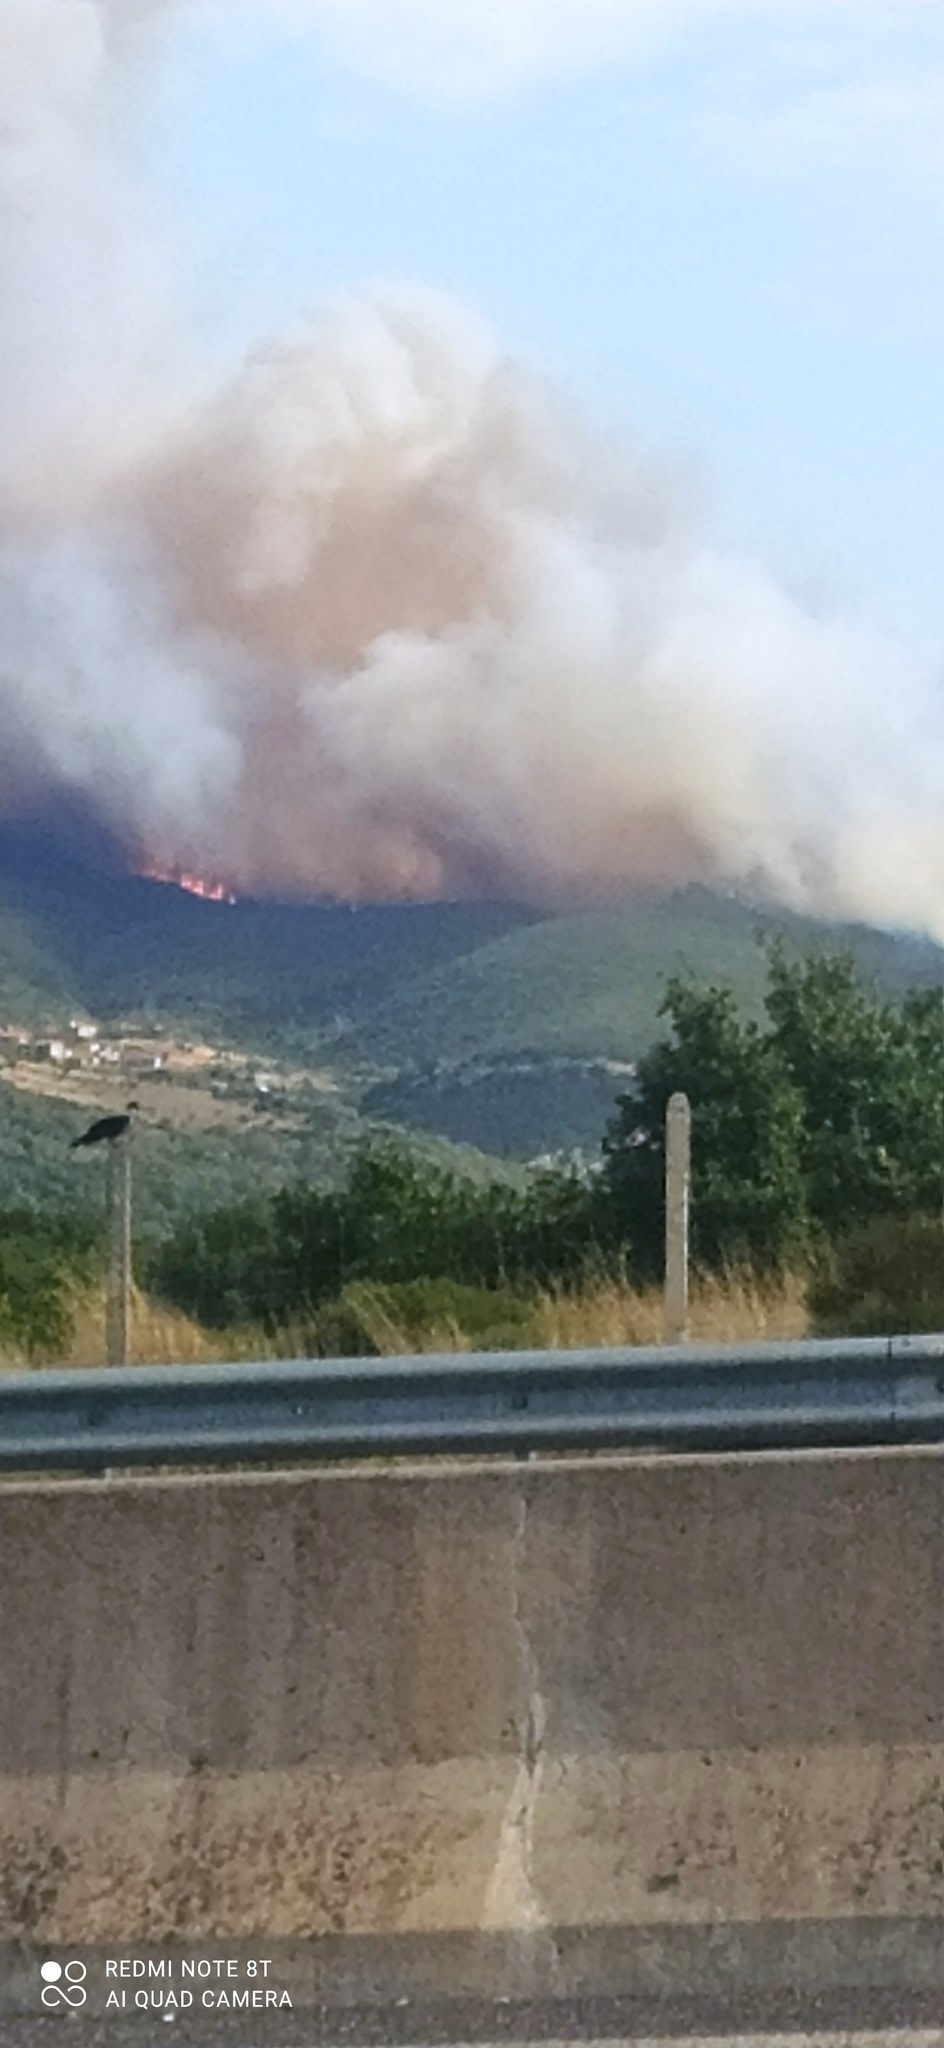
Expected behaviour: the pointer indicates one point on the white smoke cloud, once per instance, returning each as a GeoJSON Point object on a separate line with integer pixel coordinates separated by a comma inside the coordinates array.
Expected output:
{"type": "Point", "coordinates": [488, 656]}
{"type": "Point", "coordinates": [95, 697]}
{"type": "Point", "coordinates": [88, 355]}
{"type": "Point", "coordinates": [378, 619]}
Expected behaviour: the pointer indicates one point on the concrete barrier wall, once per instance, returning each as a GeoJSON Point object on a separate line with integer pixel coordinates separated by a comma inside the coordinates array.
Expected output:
{"type": "Point", "coordinates": [608, 1724]}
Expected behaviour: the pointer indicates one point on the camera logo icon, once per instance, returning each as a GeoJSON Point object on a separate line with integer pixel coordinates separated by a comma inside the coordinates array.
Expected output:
{"type": "Point", "coordinates": [64, 1984]}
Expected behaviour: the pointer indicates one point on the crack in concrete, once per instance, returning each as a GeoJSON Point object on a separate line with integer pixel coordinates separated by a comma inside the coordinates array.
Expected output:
{"type": "Point", "coordinates": [512, 1900]}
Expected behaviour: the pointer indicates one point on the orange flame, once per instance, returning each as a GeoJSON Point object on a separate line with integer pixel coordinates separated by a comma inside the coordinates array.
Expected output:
{"type": "Point", "coordinates": [195, 885]}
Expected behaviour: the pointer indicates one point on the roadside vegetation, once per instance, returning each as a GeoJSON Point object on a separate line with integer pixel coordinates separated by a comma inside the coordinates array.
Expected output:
{"type": "Point", "coordinates": [818, 1172]}
{"type": "Point", "coordinates": [395, 1321]}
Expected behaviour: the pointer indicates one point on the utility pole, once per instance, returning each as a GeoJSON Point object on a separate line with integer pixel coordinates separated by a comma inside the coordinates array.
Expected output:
{"type": "Point", "coordinates": [678, 1173]}
{"type": "Point", "coordinates": [118, 1312]}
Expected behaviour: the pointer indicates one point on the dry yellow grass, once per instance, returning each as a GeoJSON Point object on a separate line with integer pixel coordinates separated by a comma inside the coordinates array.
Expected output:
{"type": "Point", "coordinates": [162, 1336]}
{"type": "Point", "coordinates": [393, 1338]}
{"type": "Point", "coordinates": [728, 1309]}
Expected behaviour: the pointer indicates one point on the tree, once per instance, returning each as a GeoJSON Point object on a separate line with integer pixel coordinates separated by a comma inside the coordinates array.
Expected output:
{"type": "Point", "coordinates": [869, 1073]}
{"type": "Point", "coordinates": [816, 1122]}
{"type": "Point", "coordinates": [748, 1196]}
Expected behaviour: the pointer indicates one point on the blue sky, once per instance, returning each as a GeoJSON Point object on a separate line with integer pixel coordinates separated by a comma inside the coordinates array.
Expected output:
{"type": "Point", "coordinates": [718, 225]}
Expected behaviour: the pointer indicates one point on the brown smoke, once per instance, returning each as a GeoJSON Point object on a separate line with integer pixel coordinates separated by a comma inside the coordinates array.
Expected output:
{"type": "Point", "coordinates": [378, 619]}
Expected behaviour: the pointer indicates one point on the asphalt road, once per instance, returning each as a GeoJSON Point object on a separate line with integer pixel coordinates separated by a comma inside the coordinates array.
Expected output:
{"type": "Point", "coordinates": [885, 2038]}
{"type": "Point", "coordinates": [591, 2023]}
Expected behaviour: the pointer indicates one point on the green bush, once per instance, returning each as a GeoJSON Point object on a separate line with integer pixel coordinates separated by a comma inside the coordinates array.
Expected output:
{"type": "Point", "coordinates": [41, 1260]}
{"type": "Point", "coordinates": [368, 1319]}
{"type": "Point", "coordinates": [884, 1279]}
{"type": "Point", "coordinates": [397, 1219]}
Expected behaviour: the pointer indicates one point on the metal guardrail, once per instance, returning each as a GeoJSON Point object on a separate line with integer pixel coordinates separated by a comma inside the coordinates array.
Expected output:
{"type": "Point", "coordinates": [846, 1393]}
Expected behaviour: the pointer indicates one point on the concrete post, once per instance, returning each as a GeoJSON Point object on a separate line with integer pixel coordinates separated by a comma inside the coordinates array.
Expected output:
{"type": "Point", "coordinates": [678, 1152]}
{"type": "Point", "coordinates": [118, 1313]}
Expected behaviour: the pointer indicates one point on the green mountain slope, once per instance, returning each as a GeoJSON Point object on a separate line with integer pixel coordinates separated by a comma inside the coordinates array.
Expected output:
{"type": "Point", "coordinates": [521, 1047]}
{"type": "Point", "coordinates": [175, 1171]}
{"type": "Point", "coordinates": [520, 1108]}
{"type": "Point", "coordinates": [249, 973]}
{"type": "Point", "coordinates": [589, 986]}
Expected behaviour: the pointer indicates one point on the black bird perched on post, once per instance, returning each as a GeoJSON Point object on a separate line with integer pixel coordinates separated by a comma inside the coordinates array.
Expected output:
{"type": "Point", "coordinates": [105, 1131]}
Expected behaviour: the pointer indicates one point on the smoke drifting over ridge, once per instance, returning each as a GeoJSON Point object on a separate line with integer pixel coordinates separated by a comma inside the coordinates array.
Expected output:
{"type": "Point", "coordinates": [378, 619]}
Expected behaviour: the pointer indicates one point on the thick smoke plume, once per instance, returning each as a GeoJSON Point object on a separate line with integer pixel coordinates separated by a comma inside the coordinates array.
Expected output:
{"type": "Point", "coordinates": [378, 619]}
